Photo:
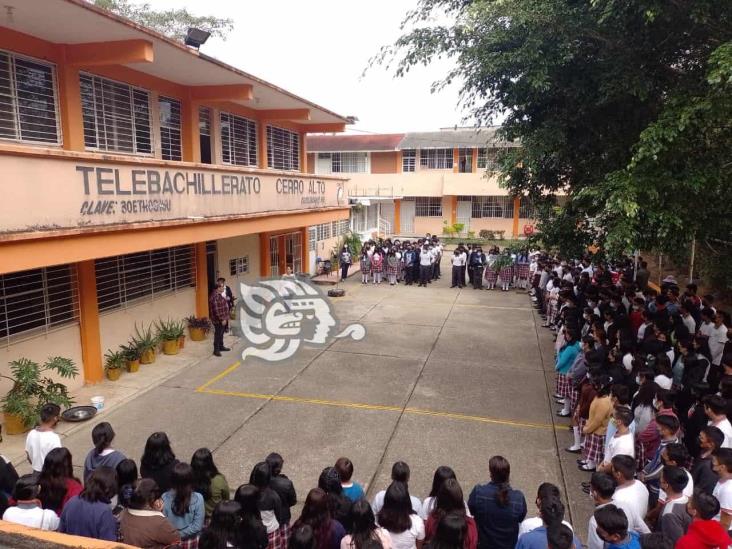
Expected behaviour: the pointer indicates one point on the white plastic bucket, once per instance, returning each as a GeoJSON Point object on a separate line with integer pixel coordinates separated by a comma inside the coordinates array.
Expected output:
{"type": "Point", "coordinates": [98, 402]}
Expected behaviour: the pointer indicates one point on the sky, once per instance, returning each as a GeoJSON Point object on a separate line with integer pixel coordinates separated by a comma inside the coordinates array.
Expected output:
{"type": "Point", "coordinates": [318, 49]}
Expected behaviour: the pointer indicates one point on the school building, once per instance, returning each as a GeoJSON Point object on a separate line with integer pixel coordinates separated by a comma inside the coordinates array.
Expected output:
{"type": "Point", "coordinates": [409, 184]}
{"type": "Point", "coordinates": [134, 171]}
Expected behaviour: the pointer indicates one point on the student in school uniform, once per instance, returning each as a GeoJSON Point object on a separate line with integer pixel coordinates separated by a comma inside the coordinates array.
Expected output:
{"type": "Point", "coordinates": [458, 264]}
{"type": "Point", "coordinates": [365, 264]}
{"type": "Point", "coordinates": [425, 266]}
{"type": "Point", "coordinates": [377, 265]}
{"type": "Point", "coordinates": [478, 262]}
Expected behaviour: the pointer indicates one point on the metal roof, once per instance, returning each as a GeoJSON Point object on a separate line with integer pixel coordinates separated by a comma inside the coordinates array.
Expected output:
{"type": "Point", "coordinates": [461, 137]}
{"type": "Point", "coordinates": [354, 143]}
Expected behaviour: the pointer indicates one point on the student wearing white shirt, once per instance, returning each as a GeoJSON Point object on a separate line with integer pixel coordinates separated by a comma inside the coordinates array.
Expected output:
{"type": "Point", "coordinates": [674, 520]}
{"type": "Point", "coordinates": [717, 339]}
{"type": "Point", "coordinates": [458, 263]}
{"type": "Point", "coordinates": [400, 472]}
{"type": "Point", "coordinates": [715, 407]}
{"type": "Point", "coordinates": [622, 442]}
{"type": "Point", "coordinates": [27, 509]}
{"type": "Point", "coordinates": [673, 455]}
{"type": "Point", "coordinates": [546, 490]}
{"type": "Point", "coordinates": [630, 492]}
{"type": "Point", "coordinates": [722, 465]}
{"type": "Point", "coordinates": [43, 439]}
{"type": "Point", "coordinates": [602, 490]}
{"type": "Point", "coordinates": [396, 512]}
{"type": "Point", "coordinates": [426, 259]}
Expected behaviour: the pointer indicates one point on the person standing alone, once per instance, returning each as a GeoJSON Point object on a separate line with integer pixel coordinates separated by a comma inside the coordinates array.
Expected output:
{"type": "Point", "coordinates": [219, 306]}
{"type": "Point", "coordinates": [425, 266]}
{"type": "Point", "coordinates": [345, 261]}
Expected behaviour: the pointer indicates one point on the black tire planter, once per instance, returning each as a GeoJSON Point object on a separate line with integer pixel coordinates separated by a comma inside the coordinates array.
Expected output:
{"type": "Point", "coordinates": [336, 292]}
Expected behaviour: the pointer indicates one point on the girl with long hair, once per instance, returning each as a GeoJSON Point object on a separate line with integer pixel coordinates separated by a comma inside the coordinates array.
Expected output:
{"type": "Point", "coordinates": [316, 514]}
{"type": "Point", "coordinates": [142, 523]}
{"type": "Point", "coordinates": [57, 482]}
{"type": "Point", "coordinates": [449, 501]}
{"type": "Point", "coordinates": [405, 527]}
{"type": "Point", "coordinates": [126, 482]}
{"type": "Point", "coordinates": [158, 460]}
{"type": "Point", "coordinates": [102, 453]}
{"type": "Point", "coordinates": [338, 504]}
{"type": "Point", "coordinates": [269, 503]}
{"type": "Point", "coordinates": [207, 480]}
{"type": "Point", "coordinates": [497, 508]}
{"type": "Point", "coordinates": [451, 532]}
{"type": "Point", "coordinates": [442, 473]}
{"type": "Point", "coordinates": [365, 533]}
{"type": "Point", "coordinates": [252, 532]}
{"type": "Point", "coordinates": [223, 530]}
{"type": "Point", "coordinates": [184, 507]}
{"type": "Point", "coordinates": [89, 514]}
{"type": "Point", "coordinates": [377, 265]}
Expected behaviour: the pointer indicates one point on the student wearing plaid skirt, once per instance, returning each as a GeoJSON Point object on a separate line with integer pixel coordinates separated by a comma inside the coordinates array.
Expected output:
{"type": "Point", "coordinates": [377, 265]}
{"type": "Point", "coordinates": [600, 411]}
{"type": "Point", "coordinates": [365, 264]}
{"type": "Point", "coordinates": [183, 507]}
{"type": "Point", "coordinates": [565, 359]}
{"type": "Point", "coordinates": [506, 276]}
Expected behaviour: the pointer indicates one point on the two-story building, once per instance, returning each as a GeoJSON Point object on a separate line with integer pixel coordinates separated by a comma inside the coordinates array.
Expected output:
{"type": "Point", "coordinates": [417, 182]}
{"type": "Point", "coordinates": [134, 170]}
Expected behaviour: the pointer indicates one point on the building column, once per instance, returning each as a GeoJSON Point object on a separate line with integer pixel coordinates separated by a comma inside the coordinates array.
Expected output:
{"type": "Point", "coordinates": [397, 216]}
{"type": "Point", "coordinates": [190, 132]}
{"type": "Point", "coordinates": [303, 154]}
{"type": "Point", "coordinates": [72, 122]}
{"type": "Point", "coordinates": [453, 209]}
{"type": "Point", "coordinates": [282, 254]}
{"type": "Point", "coordinates": [262, 144]}
{"type": "Point", "coordinates": [516, 208]}
{"type": "Point", "coordinates": [305, 250]}
{"type": "Point", "coordinates": [474, 167]}
{"type": "Point", "coordinates": [91, 344]}
{"type": "Point", "coordinates": [456, 160]}
{"type": "Point", "coordinates": [201, 280]}
{"type": "Point", "coordinates": [264, 255]}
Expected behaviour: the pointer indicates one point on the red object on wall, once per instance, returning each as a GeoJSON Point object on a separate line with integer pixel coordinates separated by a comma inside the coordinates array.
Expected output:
{"type": "Point", "coordinates": [528, 230]}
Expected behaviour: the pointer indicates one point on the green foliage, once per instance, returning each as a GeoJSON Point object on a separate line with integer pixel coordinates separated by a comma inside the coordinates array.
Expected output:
{"type": "Point", "coordinates": [130, 351]}
{"type": "Point", "coordinates": [199, 322]}
{"type": "Point", "coordinates": [31, 389]}
{"type": "Point", "coordinates": [114, 360]}
{"type": "Point", "coordinates": [624, 107]}
{"type": "Point", "coordinates": [169, 330]}
{"type": "Point", "coordinates": [352, 241]}
{"type": "Point", "coordinates": [452, 229]}
{"type": "Point", "coordinates": [173, 22]}
{"type": "Point", "coordinates": [145, 339]}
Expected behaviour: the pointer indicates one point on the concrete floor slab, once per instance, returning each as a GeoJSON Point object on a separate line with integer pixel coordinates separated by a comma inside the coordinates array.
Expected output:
{"type": "Point", "coordinates": [422, 313]}
{"type": "Point", "coordinates": [389, 339]}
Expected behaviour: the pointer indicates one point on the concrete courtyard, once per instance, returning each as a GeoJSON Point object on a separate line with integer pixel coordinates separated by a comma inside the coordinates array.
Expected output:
{"type": "Point", "coordinates": [443, 377]}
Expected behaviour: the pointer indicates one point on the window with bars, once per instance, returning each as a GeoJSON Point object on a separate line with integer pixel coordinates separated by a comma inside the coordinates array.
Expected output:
{"type": "Point", "coordinates": [312, 238]}
{"type": "Point", "coordinates": [126, 279]}
{"type": "Point", "coordinates": [435, 159]}
{"type": "Point", "coordinates": [170, 140]}
{"type": "Point", "coordinates": [349, 162]}
{"type": "Point", "coordinates": [116, 116]}
{"type": "Point", "coordinates": [465, 160]}
{"type": "Point", "coordinates": [239, 265]}
{"type": "Point", "coordinates": [428, 206]}
{"type": "Point", "coordinates": [409, 160]}
{"type": "Point", "coordinates": [488, 159]}
{"type": "Point", "coordinates": [526, 209]}
{"type": "Point", "coordinates": [37, 301]}
{"type": "Point", "coordinates": [204, 134]}
{"type": "Point", "coordinates": [492, 207]}
{"type": "Point", "coordinates": [238, 140]}
{"type": "Point", "coordinates": [28, 100]}
{"type": "Point", "coordinates": [324, 231]}
{"type": "Point", "coordinates": [283, 149]}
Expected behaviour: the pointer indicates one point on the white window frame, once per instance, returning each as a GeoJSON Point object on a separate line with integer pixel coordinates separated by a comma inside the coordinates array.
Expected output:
{"type": "Point", "coordinates": [239, 265]}
{"type": "Point", "coordinates": [172, 130]}
{"type": "Point", "coordinates": [12, 84]}
{"type": "Point", "coordinates": [251, 128]}
{"type": "Point", "coordinates": [436, 159]}
{"type": "Point", "coordinates": [283, 149]}
{"type": "Point", "coordinates": [350, 162]}
{"type": "Point", "coordinates": [409, 160]}
{"type": "Point", "coordinates": [132, 89]}
{"type": "Point", "coordinates": [431, 206]}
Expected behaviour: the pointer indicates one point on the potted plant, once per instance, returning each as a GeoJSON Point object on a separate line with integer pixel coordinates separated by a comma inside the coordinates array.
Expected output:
{"type": "Point", "coordinates": [168, 333]}
{"type": "Point", "coordinates": [132, 356]}
{"type": "Point", "coordinates": [181, 329]}
{"type": "Point", "coordinates": [30, 391]}
{"type": "Point", "coordinates": [145, 341]}
{"type": "Point", "coordinates": [114, 361]}
{"type": "Point", "coordinates": [198, 327]}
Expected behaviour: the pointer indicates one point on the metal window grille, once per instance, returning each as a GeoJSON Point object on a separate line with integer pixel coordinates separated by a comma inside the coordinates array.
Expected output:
{"type": "Point", "coordinates": [170, 138]}
{"type": "Point", "coordinates": [527, 209]}
{"type": "Point", "coordinates": [37, 301]}
{"type": "Point", "coordinates": [238, 140]}
{"type": "Point", "coordinates": [312, 238]}
{"type": "Point", "coordinates": [28, 100]}
{"type": "Point", "coordinates": [125, 280]}
{"type": "Point", "coordinates": [116, 116]}
{"type": "Point", "coordinates": [465, 160]}
{"type": "Point", "coordinates": [428, 206]}
{"type": "Point", "coordinates": [492, 207]}
{"type": "Point", "coordinates": [324, 231]}
{"type": "Point", "coordinates": [204, 121]}
{"type": "Point", "coordinates": [491, 163]}
{"type": "Point", "coordinates": [274, 256]}
{"type": "Point", "coordinates": [283, 149]}
{"type": "Point", "coordinates": [349, 162]}
{"type": "Point", "coordinates": [239, 265]}
{"type": "Point", "coordinates": [293, 247]}
{"type": "Point", "coordinates": [334, 228]}
{"type": "Point", "coordinates": [409, 160]}
{"type": "Point", "coordinates": [345, 225]}
{"type": "Point", "coordinates": [482, 159]}
{"type": "Point", "coordinates": [435, 159]}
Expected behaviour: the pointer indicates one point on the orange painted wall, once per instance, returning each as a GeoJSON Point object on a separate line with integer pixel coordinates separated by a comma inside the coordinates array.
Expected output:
{"type": "Point", "coordinates": [384, 162]}
{"type": "Point", "coordinates": [310, 163]}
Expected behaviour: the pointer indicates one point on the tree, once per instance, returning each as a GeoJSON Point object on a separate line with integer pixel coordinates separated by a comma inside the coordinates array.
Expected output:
{"type": "Point", "coordinates": [173, 23]}
{"type": "Point", "coordinates": [622, 105]}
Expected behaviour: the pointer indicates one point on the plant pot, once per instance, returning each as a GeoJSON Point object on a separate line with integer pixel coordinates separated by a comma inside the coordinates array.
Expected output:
{"type": "Point", "coordinates": [133, 366]}
{"type": "Point", "coordinates": [181, 342]}
{"type": "Point", "coordinates": [14, 424]}
{"type": "Point", "coordinates": [114, 373]}
{"type": "Point", "coordinates": [170, 347]}
{"type": "Point", "coordinates": [147, 357]}
{"type": "Point", "coordinates": [197, 334]}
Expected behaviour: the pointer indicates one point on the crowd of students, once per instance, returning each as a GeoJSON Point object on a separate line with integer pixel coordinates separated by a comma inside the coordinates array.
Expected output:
{"type": "Point", "coordinates": [645, 376]}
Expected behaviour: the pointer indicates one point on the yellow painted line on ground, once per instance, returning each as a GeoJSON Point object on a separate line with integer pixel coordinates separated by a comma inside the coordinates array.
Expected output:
{"type": "Point", "coordinates": [383, 408]}
{"type": "Point", "coordinates": [222, 375]}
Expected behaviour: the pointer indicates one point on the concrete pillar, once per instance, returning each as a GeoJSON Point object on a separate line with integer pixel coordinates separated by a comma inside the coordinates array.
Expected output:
{"type": "Point", "coordinates": [201, 280]}
{"type": "Point", "coordinates": [91, 346]}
